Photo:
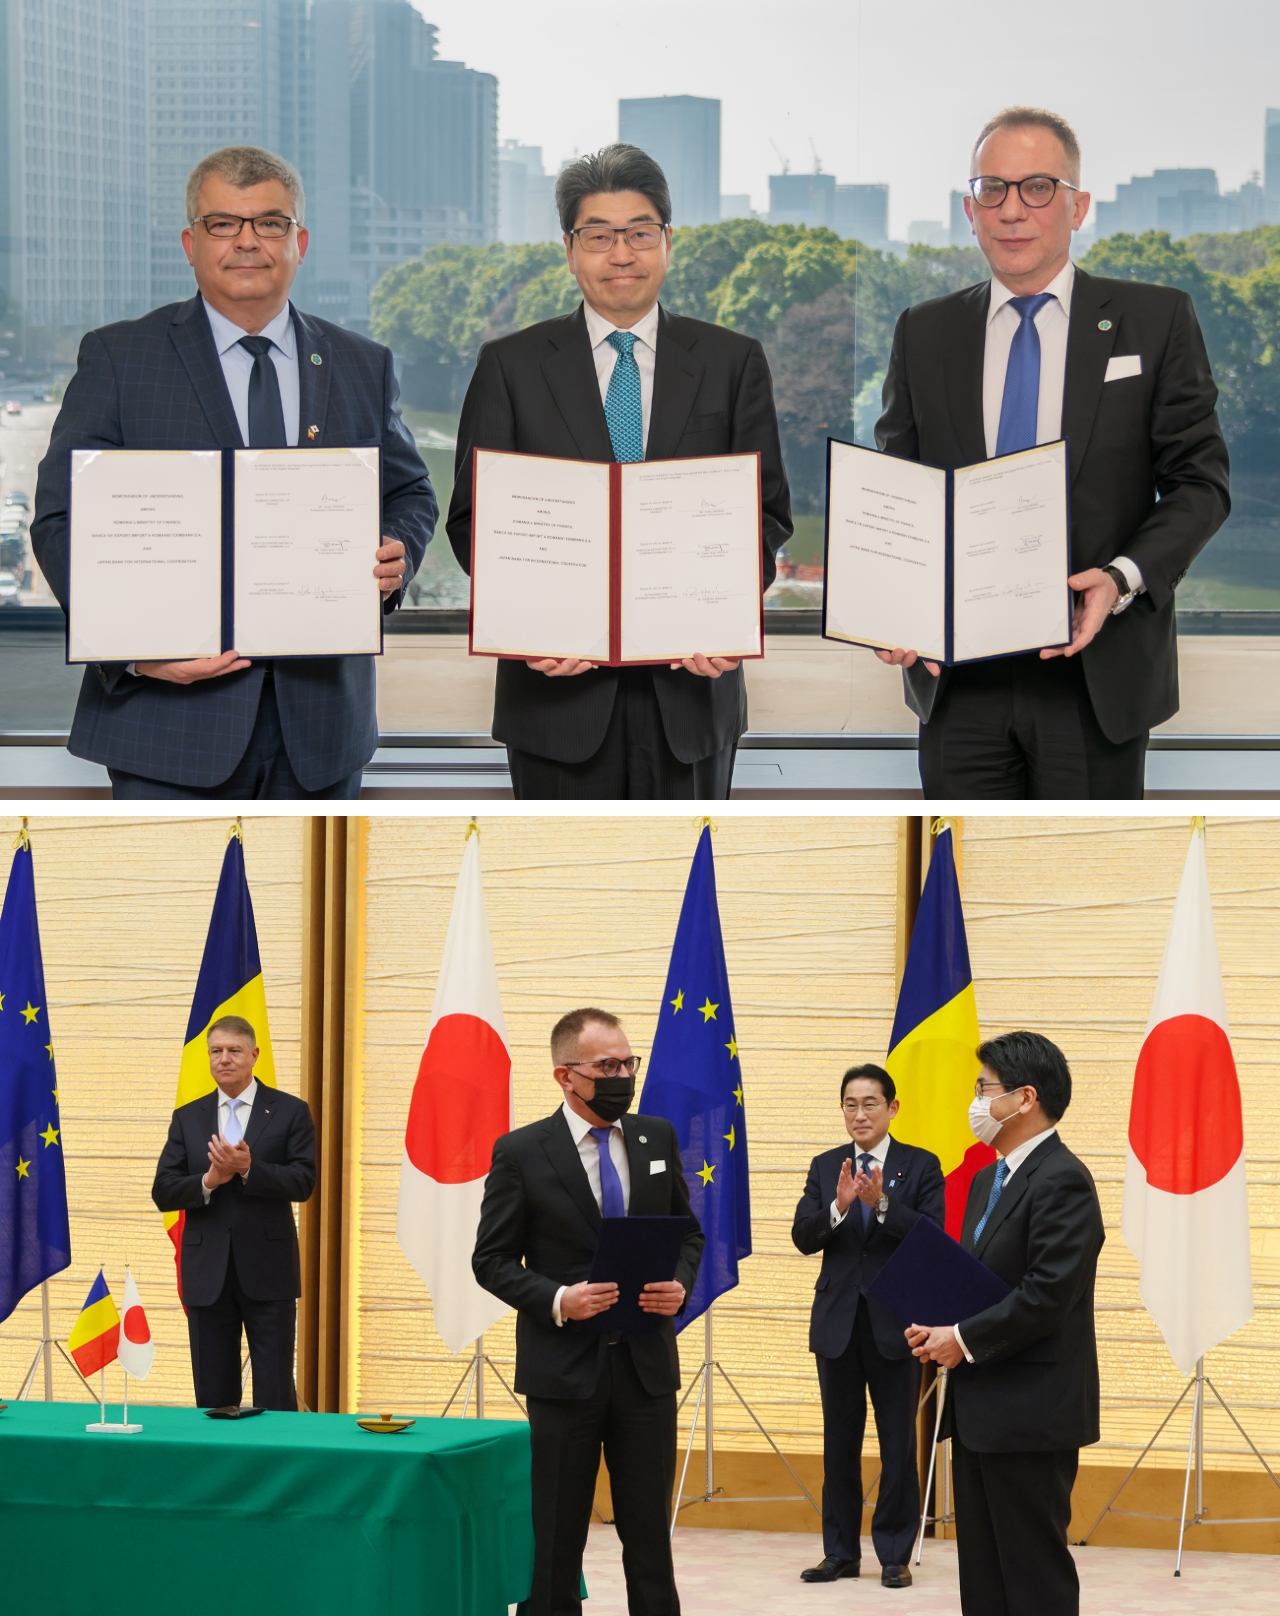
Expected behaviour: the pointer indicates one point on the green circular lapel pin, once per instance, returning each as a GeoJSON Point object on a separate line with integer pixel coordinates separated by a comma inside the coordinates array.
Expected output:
{"type": "Point", "coordinates": [316, 359]}
{"type": "Point", "coordinates": [1103, 325]}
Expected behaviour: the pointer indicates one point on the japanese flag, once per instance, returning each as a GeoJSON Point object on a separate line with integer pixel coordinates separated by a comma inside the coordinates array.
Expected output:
{"type": "Point", "coordinates": [136, 1349]}
{"type": "Point", "coordinates": [461, 1103]}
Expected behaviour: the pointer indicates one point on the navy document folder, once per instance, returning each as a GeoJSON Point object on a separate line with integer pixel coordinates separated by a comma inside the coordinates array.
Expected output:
{"type": "Point", "coordinates": [633, 1253]}
{"type": "Point", "coordinates": [931, 1279]}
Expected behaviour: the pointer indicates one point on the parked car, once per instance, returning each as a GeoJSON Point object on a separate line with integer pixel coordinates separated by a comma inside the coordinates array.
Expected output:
{"type": "Point", "coordinates": [8, 589]}
{"type": "Point", "coordinates": [16, 497]}
{"type": "Point", "coordinates": [13, 406]}
{"type": "Point", "coordinates": [13, 522]}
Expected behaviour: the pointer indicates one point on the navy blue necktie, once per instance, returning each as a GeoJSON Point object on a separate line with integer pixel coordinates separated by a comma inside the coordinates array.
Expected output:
{"type": "Point", "coordinates": [611, 1201]}
{"type": "Point", "coordinates": [1020, 406]}
{"type": "Point", "coordinates": [865, 1161]}
{"type": "Point", "coordinates": [1002, 1172]}
{"type": "Point", "coordinates": [266, 412]}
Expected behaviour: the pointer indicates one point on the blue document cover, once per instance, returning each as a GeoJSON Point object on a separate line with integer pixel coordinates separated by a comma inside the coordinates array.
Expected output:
{"type": "Point", "coordinates": [633, 1253]}
{"type": "Point", "coordinates": [931, 1279]}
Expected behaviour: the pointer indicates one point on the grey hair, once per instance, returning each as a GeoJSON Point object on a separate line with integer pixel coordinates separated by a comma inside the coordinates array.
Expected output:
{"type": "Point", "coordinates": [243, 167]}
{"type": "Point", "coordinates": [1034, 118]}
{"type": "Point", "coordinates": [612, 168]}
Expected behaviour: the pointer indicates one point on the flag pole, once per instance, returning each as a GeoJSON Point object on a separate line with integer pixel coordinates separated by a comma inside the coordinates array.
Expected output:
{"type": "Point", "coordinates": [480, 1376]}
{"type": "Point", "coordinates": [708, 1365]}
{"type": "Point", "coordinates": [47, 1333]}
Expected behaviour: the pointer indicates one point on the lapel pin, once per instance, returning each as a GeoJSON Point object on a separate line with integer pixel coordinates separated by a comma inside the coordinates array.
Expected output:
{"type": "Point", "coordinates": [643, 1140]}
{"type": "Point", "coordinates": [316, 359]}
{"type": "Point", "coordinates": [313, 431]}
{"type": "Point", "coordinates": [1103, 325]}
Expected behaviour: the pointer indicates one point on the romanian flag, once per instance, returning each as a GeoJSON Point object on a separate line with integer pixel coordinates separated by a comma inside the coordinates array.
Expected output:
{"type": "Point", "coordinates": [229, 984]}
{"type": "Point", "coordinates": [933, 1048]}
{"type": "Point", "coordinates": [95, 1336]}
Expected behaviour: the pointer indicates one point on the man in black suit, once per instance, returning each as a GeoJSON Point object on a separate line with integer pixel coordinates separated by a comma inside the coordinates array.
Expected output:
{"type": "Point", "coordinates": [572, 729]}
{"type": "Point", "coordinates": [856, 1217]}
{"type": "Point", "coordinates": [1023, 1394]}
{"type": "Point", "coordinates": [235, 366]}
{"type": "Point", "coordinates": [233, 1162]}
{"type": "Point", "coordinates": [547, 1190]}
{"type": "Point", "coordinates": [1042, 351]}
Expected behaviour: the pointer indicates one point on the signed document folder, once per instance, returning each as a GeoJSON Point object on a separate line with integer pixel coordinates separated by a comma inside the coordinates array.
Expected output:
{"type": "Point", "coordinates": [931, 1279]}
{"type": "Point", "coordinates": [180, 553]}
{"type": "Point", "coordinates": [632, 1253]}
{"type": "Point", "coordinates": [956, 565]}
{"type": "Point", "coordinates": [646, 562]}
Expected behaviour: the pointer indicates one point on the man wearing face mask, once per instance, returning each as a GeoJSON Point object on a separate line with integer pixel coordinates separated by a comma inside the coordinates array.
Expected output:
{"type": "Point", "coordinates": [548, 1188]}
{"type": "Point", "coordinates": [1023, 1393]}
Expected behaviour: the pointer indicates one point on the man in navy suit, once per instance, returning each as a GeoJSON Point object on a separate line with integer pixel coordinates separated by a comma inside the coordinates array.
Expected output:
{"type": "Point", "coordinates": [237, 366]}
{"type": "Point", "coordinates": [856, 1214]}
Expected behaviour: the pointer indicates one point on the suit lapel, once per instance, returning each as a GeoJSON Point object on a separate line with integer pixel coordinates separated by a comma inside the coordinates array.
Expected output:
{"type": "Point", "coordinates": [563, 1155]}
{"type": "Point", "coordinates": [207, 1116]}
{"type": "Point", "coordinates": [191, 336]}
{"type": "Point", "coordinates": [314, 371]}
{"type": "Point", "coordinates": [676, 379]}
{"type": "Point", "coordinates": [571, 375]}
{"type": "Point", "coordinates": [1015, 1190]}
{"type": "Point", "coordinates": [895, 1165]}
{"type": "Point", "coordinates": [1088, 350]}
{"type": "Point", "coordinates": [966, 358]}
{"type": "Point", "coordinates": [264, 1108]}
{"type": "Point", "coordinates": [642, 1200]}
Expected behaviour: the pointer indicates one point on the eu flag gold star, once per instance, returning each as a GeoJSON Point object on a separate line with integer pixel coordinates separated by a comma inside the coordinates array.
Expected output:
{"type": "Point", "coordinates": [731, 1136]}
{"type": "Point", "coordinates": [737, 1094]}
{"type": "Point", "coordinates": [50, 1136]}
{"type": "Point", "coordinates": [732, 1047]}
{"type": "Point", "coordinates": [30, 1013]}
{"type": "Point", "coordinates": [22, 1168]}
{"type": "Point", "coordinates": [677, 1004]}
{"type": "Point", "coordinates": [56, 1101]}
{"type": "Point", "coordinates": [709, 1011]}
{"type": "Point", "coordinates": [1, 1001]}
{"type": "Point", "coordinates": [49, 1047]}
{"type": "Point", "coordinates": [706, 1174]}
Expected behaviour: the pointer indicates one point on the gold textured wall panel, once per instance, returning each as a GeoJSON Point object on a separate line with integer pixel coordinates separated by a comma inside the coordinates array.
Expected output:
{"type": "Point", "coordinates": [124, 906]}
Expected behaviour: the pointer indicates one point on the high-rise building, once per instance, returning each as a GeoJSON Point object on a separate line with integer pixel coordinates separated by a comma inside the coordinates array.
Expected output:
{"type": "Point", "coordinates": [808, 199]}
{"type": "Point", "coordinates": [1271, 168]}
{"type": "Point", "coordinates": [682, 134]}
{"type": "Point", "coordinates": [1137, 206]}
{"type": "Point", "coordinates": [861, 213]}
{"type": "Point", "coordinates": [960, 233]}
{"type": "Point", "coordinates": [526, 196]}
{"type": "Point", "coordinates": [73, 174]}
{"type": "Point", "coordinates": [736, 206]}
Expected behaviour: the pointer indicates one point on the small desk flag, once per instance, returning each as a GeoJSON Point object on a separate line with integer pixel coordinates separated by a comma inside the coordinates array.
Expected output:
{"type": "Point", "coordinates": [35, 1230]}
{"type": "Point", "coordinates": [695, 1081]}
{"type": "Point", "coordinates": [95, 1336]}
{"type": "Point", "coordinates": [137, 1349]}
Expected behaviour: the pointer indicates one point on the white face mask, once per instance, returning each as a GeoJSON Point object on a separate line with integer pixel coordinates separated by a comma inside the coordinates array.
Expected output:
{"type": "Point", "coordinates": [982, 1124]}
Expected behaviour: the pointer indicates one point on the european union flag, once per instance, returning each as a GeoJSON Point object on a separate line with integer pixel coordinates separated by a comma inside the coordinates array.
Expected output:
{"type": "Point", "coordinates": [35, 1232]}
{"type": "Point", "coordinates": [695, 1080]}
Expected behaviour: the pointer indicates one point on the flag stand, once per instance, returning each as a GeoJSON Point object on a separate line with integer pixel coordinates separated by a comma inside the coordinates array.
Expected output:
{"type": "Point", "coordinates": [44, 1353]}
{"type": "Point", "coordinates": [103, 1427]}
{"type": "Point", "coordinates": [704, 1381]}
{"type": "Point", "coordinates": [947, 1517]}
{"type": "Point", "coordinates": [473, 1377]}
{"type": "Point", "coordinates": [1195, 1462]}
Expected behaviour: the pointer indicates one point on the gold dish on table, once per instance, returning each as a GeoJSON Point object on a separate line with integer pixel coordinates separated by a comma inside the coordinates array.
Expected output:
{"type": "Point", "coordinates": [385, 1425]}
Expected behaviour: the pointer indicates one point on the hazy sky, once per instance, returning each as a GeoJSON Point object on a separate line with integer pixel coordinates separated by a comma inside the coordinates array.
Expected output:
{"type": "Point", "coordinates": [886, 90]}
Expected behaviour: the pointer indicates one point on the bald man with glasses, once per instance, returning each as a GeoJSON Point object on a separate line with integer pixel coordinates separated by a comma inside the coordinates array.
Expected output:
{"type": "Point", "coordinates": [1043, 351]}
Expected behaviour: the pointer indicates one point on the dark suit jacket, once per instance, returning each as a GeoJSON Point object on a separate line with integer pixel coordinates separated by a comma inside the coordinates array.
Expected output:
{"type": "Point", "coordinates": [539, 1224]}
{"type": "Point", "coordinates": [1131, 440]}
{"type": "Point", "coordinates": [250, 1218]}
{"type": "Point", "coordinates": [1034, 1383]}
{"type": "Point", "coordinates": [536, 392]}
{"type": "Point", "coordinates": [157, 383]}
{"type": "Point", "coordinates": [916, 1189]}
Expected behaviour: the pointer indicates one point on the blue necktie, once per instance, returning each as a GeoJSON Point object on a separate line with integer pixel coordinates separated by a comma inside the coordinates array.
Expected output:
{"type": "Point", "coordinates": [266, 412]}
{"type": "Point", "coordinates": [612, 1204]}
{"type": "Point", "coordinates": [864, 1161]}
{"type": "Point", "coordinates": [1002, 1172]}
{"type": "Point", "coordinates": [622, 410]}
{"type": "Point", "coordinates": [234, 1132]}
{"type": "Point", "coordinates": [1020, 406]}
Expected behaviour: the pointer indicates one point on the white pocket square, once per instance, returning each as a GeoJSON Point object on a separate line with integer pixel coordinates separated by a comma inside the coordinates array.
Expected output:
{"type": "Point", "coordinates": [657, 1167]}
{"type": "Point", "coordinates": [1122, 365]}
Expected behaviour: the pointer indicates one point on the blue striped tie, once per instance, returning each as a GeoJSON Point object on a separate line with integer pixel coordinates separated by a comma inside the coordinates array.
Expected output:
{"type": "Point", "coordinates": [1020, 406]}
{"type": "Point", "coordinates": [622, 409]}
{"type": "Point", "coordinates": [865, 1161]}
{"type": "Point", "coordinates": [1002, 1172]}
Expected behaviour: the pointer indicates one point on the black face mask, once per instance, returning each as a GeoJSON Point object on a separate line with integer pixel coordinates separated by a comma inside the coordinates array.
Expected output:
{"type": "Point", "coordinates": [613, 1097]}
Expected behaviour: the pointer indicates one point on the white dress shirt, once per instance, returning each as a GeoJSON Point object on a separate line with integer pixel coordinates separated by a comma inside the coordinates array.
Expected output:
{"type": "Point", "coordinates": [1052, 323]}
{"type": "Point", "coordinates": [237, 366]}
{"type": "Point", "coordinates": [244, 1105]}
{"type": "Point", "coordinates": [878, 1154]}
{"type": "Point", "coordinates": [589, 1151]}
{"type": "Point", "coordinates": [1013, 1161]}
{"type": "Point", "coordinates": [645, 353]}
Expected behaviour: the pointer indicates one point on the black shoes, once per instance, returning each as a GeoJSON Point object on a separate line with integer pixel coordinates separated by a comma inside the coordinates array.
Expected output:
{"type": "Point", "coordinates": [896, 1576]}
{"type": "Point", "coordinates": [831, 1569]}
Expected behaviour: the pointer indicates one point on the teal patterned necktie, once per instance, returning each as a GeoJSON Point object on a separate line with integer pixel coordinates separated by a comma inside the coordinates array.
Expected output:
{"type": "Point", "coordinates": [622, 411]}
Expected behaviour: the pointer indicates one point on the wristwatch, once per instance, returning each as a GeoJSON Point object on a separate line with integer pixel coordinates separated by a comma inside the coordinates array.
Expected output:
{"type": "Point", "coordinates": [882, 1205]}
{"type": "Point", "coordinates": [1122, 584]}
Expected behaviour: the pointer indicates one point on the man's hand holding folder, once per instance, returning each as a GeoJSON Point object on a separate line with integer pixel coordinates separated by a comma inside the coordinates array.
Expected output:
{"type": "Point", "coordinates": [937, 1345]}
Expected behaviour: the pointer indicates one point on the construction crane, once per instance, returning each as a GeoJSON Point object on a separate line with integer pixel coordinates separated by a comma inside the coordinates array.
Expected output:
{"type": "Point", "coordinates": [817, 161]}
{"type": "Point", "coordinates": [785, 161]}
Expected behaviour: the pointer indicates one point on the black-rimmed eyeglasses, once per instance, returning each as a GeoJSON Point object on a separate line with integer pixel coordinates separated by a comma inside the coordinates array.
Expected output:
{"type": "Point", "coordinates": [606, 1068]}
{"type": "Point", "coordinates": [226, 226]}
{"type": "Point", "coordinates": [599, 238]}
{"type": "Point", "coordinates": [1036, 191]}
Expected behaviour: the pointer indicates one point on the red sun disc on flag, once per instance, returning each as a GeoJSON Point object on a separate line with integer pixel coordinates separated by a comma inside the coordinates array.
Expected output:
{"type": "Point", "coordinates": [1185, 1125]}
{"type": "Point", "coordinates": [461, 1101]}
{"type": "Point", "coordinates": [135, 1328]}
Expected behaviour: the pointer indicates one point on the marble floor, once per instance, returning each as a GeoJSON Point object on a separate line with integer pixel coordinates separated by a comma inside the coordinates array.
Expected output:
{"type": "Point", "coordinates": [758, 1572]}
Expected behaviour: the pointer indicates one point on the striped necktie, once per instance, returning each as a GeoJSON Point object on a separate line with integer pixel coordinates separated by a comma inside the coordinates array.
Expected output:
{"type": "Point", "coordinates": [865, 1161]}
{"type": "Point", "coordinates": [622, 408]}
{"type": "Point", "coordinates": [1002, 1172]}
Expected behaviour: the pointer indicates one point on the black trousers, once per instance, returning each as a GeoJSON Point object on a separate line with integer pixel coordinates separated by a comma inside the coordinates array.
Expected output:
{"type": "Point", "coordinates": [214, 1333]}
{"type": "Point", "coordinates": [894, 1384]}
{"type": "Point", "coordinates": [1022, 728]}
{"type": "Point", "coordinates": [264, 772]}
{"type": "Point", "coordinates": [1012, 1514]}
{"type": "Point", "coordinates": [638, 1434]}
{"type": "Point", "coordinates": [633, 761]}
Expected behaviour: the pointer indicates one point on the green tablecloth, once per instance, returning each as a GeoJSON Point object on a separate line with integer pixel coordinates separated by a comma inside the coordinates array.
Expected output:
{"type": "Point", "coordinates": [281, 1515]}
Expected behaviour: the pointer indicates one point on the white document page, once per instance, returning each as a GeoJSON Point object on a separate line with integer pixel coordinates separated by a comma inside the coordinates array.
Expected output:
{"type": "Point", "coordinates": [1011, 554]}
{"type": "Point", "coordinates": [540, 557]}
{"type": "Point", "coordinates": [886, 577]}
{"type": "Point", "coordinates": [146, 555]}
{"type": "Point", "coordinates": [308, 527]}
{"type": "Point", "coordinates": [691, 558]}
